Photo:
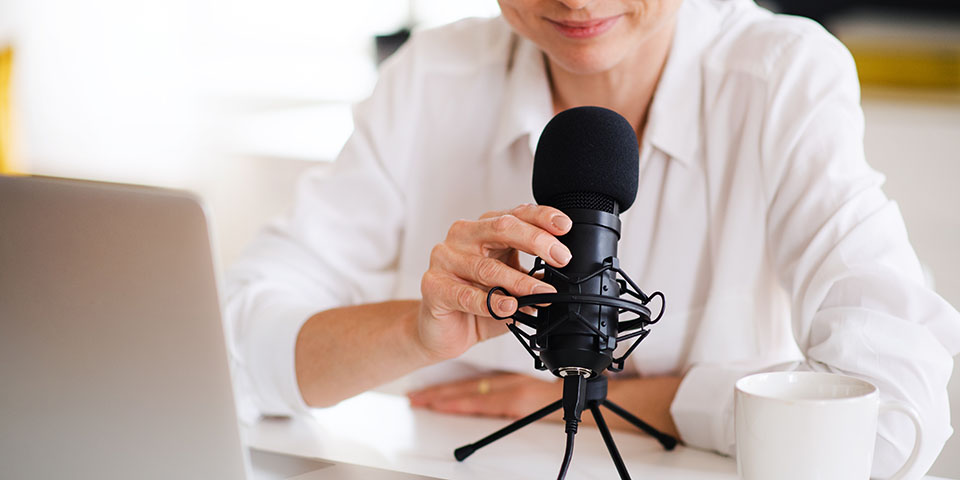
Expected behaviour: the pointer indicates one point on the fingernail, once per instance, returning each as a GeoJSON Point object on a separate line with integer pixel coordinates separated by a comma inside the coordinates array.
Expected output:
{"type": "Point", "coordinates": [562, 222]}
{"type": "Point", "coordinates": [507, 305]}
{"type": "Point", "coordinates": [544, 289]}
{"type": "Point", "coordinates": [560, 254]}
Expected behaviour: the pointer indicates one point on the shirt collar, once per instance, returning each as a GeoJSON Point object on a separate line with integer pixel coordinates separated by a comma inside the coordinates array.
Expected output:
{"type": "Point", "coordinates": [527, 106]}
{"type": "Point", "coordinates": [673, 124]}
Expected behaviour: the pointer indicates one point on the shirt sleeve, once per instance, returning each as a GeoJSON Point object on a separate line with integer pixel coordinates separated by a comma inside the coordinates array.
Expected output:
{"type": "Point", "coordinates": [860, 306]}
{"type": "Point", "coordinates": [337, 246]}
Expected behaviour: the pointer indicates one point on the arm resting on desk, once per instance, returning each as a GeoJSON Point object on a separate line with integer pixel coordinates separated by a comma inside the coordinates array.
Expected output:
{"type": "Point", "coordinates": [514, 395]}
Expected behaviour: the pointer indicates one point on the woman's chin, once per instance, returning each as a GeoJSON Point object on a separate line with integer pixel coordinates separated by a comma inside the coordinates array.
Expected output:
{"type": "Point", "coordinates": [583, 62]}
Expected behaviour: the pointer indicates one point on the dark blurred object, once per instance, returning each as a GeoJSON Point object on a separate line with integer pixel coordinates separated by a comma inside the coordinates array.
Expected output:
{"type": "Point", "coordinates": [389, 43]}
{"type": "Point", "coordinates": [825, 10]}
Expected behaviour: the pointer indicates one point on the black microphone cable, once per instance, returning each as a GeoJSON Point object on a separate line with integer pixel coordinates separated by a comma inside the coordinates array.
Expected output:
{"type": "Point", "coordinates": [567, 456]}
{"type": "Point", "coordinates": [574, 401]}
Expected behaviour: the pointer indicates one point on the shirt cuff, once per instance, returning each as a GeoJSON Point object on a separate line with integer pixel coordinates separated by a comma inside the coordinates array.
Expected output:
{"type": "Point", "coordinates": [703, 407]}
{"type": "Point", "coordinates": [269, 349]}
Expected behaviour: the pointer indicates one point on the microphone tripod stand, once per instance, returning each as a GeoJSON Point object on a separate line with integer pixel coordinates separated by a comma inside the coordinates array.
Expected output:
{"type": "Point", "coordinates": [596, 396]}
{"type": "Point", "coordinates": [579, 391]}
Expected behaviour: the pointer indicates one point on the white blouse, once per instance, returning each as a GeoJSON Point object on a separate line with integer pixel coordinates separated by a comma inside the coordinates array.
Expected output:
{"type": "Point", "coordinates": [757, 216]}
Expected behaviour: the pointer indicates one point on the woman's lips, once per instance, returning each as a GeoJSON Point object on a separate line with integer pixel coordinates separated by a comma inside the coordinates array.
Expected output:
{"type": "Point", "coordinates": [581, 29]}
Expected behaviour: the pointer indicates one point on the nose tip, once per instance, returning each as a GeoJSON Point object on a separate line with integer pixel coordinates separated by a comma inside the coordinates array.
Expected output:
{"type": "Point", "coordinates": [575, 4]}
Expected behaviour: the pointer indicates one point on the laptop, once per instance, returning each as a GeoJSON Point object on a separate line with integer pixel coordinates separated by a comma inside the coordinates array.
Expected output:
{"type": "Point", "coordinates": [113, 361]}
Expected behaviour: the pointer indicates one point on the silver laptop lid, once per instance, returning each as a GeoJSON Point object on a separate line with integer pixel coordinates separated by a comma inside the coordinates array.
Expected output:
{"type": "Point", "coordinates": [112, 355]}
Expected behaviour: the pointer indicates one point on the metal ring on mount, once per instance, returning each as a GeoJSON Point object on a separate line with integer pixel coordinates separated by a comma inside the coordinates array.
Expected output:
{"type": "Point", "coordinates": [602, 300]}
{"type": "Point", "coordinates": [642, 312]}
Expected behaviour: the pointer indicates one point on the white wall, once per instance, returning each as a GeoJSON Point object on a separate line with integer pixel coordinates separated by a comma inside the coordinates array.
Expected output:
{"type": "Point", "coordinates": [915, 141]}
{"type": "Point", "coordinates": [196, 93]}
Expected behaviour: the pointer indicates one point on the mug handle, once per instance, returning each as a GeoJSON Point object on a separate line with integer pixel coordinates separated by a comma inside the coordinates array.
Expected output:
{"type": "Point", "coordinates": [896, 406]}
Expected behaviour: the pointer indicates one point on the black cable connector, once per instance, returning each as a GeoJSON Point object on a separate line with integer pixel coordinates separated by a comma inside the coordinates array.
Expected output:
{"type": "Point", "coordinates": [574, 400]}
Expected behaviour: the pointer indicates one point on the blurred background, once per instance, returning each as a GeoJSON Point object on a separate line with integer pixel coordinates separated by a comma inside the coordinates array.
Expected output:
{"type": "Point", "coordinates": [234, 99]}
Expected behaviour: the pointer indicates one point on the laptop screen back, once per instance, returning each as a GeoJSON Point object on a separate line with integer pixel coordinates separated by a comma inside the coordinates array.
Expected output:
{"type": "Point", "coordinates": [112, 356]}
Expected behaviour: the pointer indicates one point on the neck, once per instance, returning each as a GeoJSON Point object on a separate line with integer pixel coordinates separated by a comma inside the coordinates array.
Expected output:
{"type": "Point", "coordinates": [627, 88]}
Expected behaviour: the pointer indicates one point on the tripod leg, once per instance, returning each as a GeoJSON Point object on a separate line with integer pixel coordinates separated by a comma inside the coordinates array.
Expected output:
{"type": "Point", "coordinates": [667, 441]}
{"type": "Point", "coordinates": [608, 439]}
{"type": "Point", "coordinates": [466, 450]}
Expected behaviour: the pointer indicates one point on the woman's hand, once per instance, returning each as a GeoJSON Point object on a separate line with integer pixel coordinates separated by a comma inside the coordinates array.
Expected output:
{"type": "Point", "coordinates": [508, 395]}
{"type": "Point", "coordinates": [513, 395]}
{"type": "Point", "coordinates": [476, 256]}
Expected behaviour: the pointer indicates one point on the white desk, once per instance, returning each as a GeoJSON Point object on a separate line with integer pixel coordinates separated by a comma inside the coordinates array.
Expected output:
{"type": "Point", "coordinates": [380, 430]}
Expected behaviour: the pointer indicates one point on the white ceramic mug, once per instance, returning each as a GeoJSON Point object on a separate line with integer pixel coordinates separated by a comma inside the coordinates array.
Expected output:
{"type": "Point", "coordinates": [810, 426]}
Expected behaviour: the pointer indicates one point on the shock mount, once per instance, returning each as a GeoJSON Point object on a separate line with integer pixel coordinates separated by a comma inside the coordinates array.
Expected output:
{"type": "Point", "coordinates": [635, 329]}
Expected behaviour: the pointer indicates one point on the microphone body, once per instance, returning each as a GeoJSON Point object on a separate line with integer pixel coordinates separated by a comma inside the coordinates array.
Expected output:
{"type": "Point", "coordinates": [586, 165]}
{"type": "Point", "coordinates": [569, 346]}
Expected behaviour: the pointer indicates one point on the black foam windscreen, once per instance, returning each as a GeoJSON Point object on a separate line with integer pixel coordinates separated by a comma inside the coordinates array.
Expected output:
{"type": "Point", "coordinates": [586, 157]}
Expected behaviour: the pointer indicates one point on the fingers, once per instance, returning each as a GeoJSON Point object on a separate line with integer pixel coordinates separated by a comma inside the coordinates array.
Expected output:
{"type": "Point", "coordinates": [466, 387]}
{"type": "Point", "coordinates": [529, 228]}
{"type": "Point", "coordinates": [472, 260]}
{"type": "Point", "coordinates": [547, 218]}
{"type": "Point", "coordinates": [495, 405]}
{"type": "Point", "coordinates": [451, 294]}
{"type": "Point", "coordinates": [507, 395]}
{"type": "Point", "coordinates": [488, 272]}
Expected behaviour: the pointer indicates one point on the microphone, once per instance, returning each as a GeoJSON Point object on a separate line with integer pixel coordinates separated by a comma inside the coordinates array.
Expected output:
{"type": "Point", "coordinates": [587, 166]}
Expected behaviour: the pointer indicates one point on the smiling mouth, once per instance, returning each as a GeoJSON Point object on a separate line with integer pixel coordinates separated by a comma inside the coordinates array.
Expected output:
{"type": "Point", "coordinates": [584, 29]}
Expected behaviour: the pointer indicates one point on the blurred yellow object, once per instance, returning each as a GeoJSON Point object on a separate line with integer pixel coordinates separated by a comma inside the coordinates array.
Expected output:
{"type": "Point", "coordinates": [933, 67]}
{"type": "Point", "coordinates": [912, 53]}
{"type": "Point", "coordinates": [6, 111]}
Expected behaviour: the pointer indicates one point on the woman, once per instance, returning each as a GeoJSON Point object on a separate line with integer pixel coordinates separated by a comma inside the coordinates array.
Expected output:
{"type": "Point", "coordinates": [756, 214]}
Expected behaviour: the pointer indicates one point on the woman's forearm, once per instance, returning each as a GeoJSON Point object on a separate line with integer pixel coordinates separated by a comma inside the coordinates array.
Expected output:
{"type": "Point", "coordinates": [345, 351]}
